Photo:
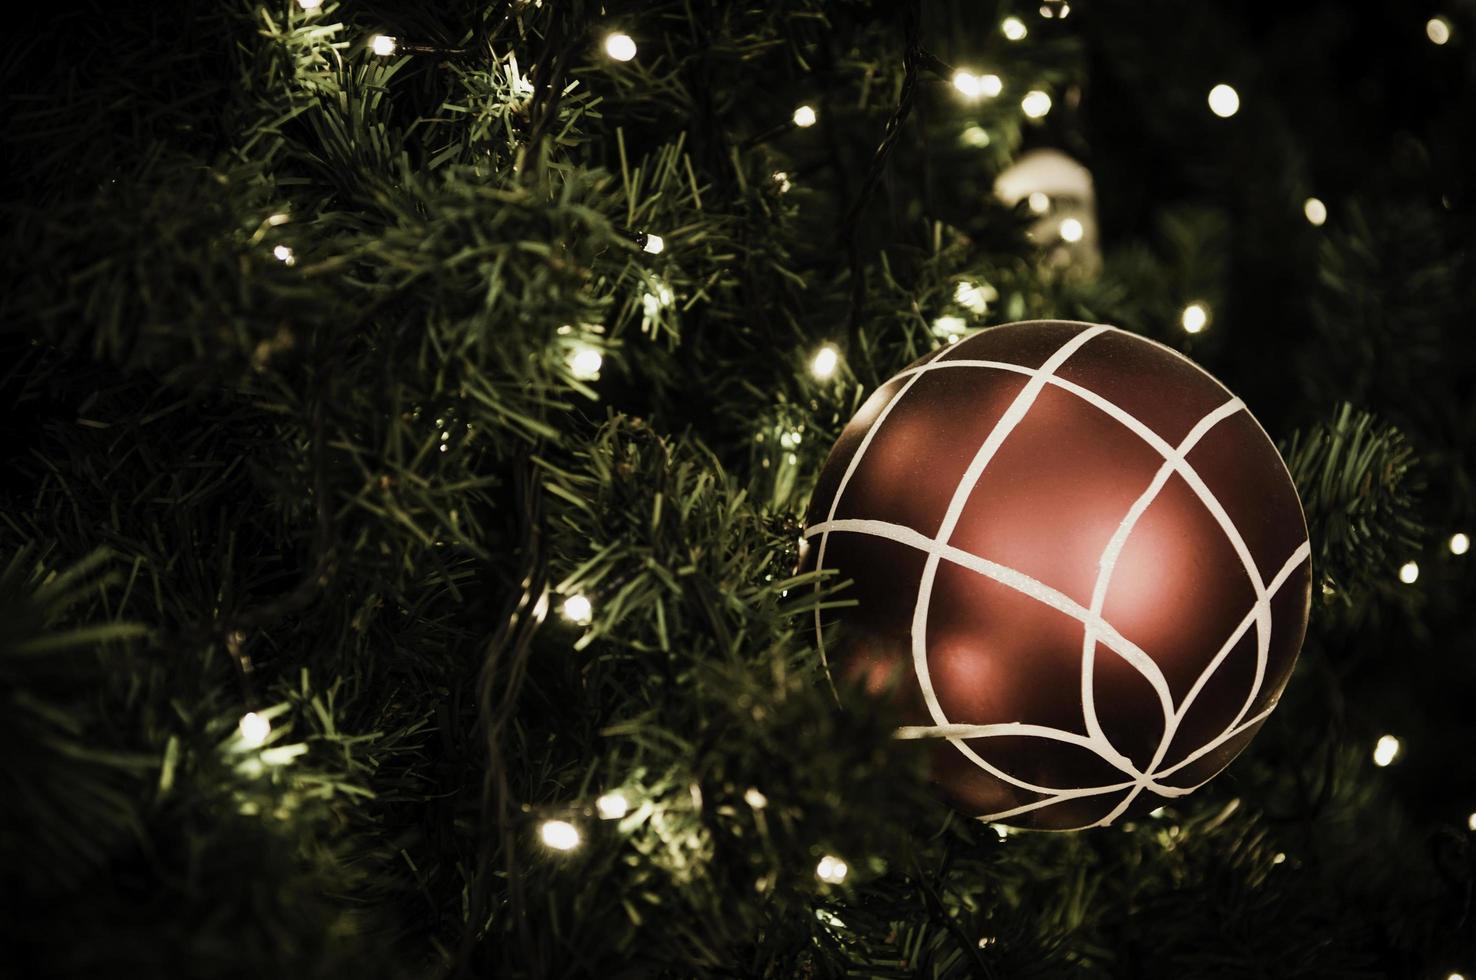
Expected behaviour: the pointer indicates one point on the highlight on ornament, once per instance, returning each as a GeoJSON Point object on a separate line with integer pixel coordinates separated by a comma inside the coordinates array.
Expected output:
{"type": "Point", "coordinates": [620, 47]}
{"type": "Point", "coordinates": [1386, 750]}
{"type": "Point", "coordinates": [804, 117]}
{"type": "Point", "coordinates": [831, 870]}
{"type": "Point", "coordinates": [612, 806]}
{"type": "Point", "coordinates": [559, 835]}
{"type": "Point", "coordinates": [1039, 202]}
{"type": "Point", "coordinates": [578, 610]}
{"type": "Point", "coordinates": [253, 729]}
{"type": "Point", "coordinates": [1082, 514]}
{"type": "Point", "coordinates": [1224, 101]}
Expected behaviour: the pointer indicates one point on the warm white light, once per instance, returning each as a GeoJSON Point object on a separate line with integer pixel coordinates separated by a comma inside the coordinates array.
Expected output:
{"type": "Point", "coordinates": [310, 4]}
{"type": "Point", "coordinates": [1471, 821]}
{"type": "Point", "coordinates": [781, 180]}
{"type": "Point", "coordinates": [1385, 751]}
{"type": "Point", "coordinates": [1036, 103]}
{"type": "Point", "coordinates": [1459, 544]}
{"type": "Point", "coordinates": [967, 84]}
{"type": "Point", "coordinates": [974, 296]}
{"type": "Point", "coordinates": [826, 360]}
{"type": "Point", "coordinates": [1194, 318]}
{"type": "Point", "coordinates": [1224, 101]}
{"type": "Point", "coordinates": [1315, 211]}
{"type": "Point", "coordinates": [612, 806]}
{"type": "Point", "coordinates": [1013, 28]}
{"type": "Point", "coordinates": [1071, 230]}
{"type": "Point", "coordinates": [383, 45]}
{"type": "Point", "coordinates": [577, 609]}
{"type": "Point", "coordinates": [949, 326]}
{"type": "Point", "coordinates": [1280, 858]}
{"type": "Point", "coordinates": [285, 254]}
{"type": "Point", "coordinates": [990, 85]}
{"type": "Point", "coordinates": [560, 835]}
{"type": "Point", "coordinates": [655, 244]}
{"type": "Point", "coordinates": [1409, 572]}
{"type": "Point", "coordinates": [1039, 201]}
{"type": "Point", "coordinates": [976, 136]}
{"type": "Point", "coordinates": [754, 798]}
{"type": "Point", "coordinates": [831, 869]}
{"type": "Point", "coordinates": [1062, 11]}
{"type": "Point", "coordinates": [621, 47]}
{"type": "Point", "coordinates": [804, 116]}
{"type": "Point", "coordinates": [1437, 29]}
{"type": "Point", "coordinates": [1455, 976]}
{"type": "Point", "coordinates": [254, 729]}
{"type": "Point", "coordinates": [1000, 830]}
{"type": "Point", "coordinates": [585, 363]}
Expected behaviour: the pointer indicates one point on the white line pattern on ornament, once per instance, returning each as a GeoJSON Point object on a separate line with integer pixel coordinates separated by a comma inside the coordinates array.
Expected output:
{"type": "Point", "coordinates": [1095, 628]}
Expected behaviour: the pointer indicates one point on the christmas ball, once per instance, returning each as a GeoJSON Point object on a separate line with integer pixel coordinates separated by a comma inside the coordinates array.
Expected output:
{"type": "Point", "coordinates": [1079, 566]}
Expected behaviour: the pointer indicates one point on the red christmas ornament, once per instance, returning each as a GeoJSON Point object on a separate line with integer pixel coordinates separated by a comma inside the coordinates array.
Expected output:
{"type": "Point", "coordinates": [1079, 562]}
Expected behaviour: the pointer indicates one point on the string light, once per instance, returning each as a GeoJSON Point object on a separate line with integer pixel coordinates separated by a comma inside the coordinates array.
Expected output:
{"type": "Point", "coordinates": [949, 326]}
{"type": "Point", "coordinates": [831, 869]}
{"type": "Point", "coordinates": [1071, 230]}
{"type": "Point", "coordinates": [967, 83]}
{"type": "Point", "coordinates": [578, 610]}
{"type": "Point", "coordinates": [758, 800]}
{"type": "Point", "coordinates": [559, 835]}
{"type": "Point", "coordinates": [1409, 572]}
{"type": "Point", "coordinates": [621, 47]}
{"type": "Point", "coordinates": [1062, 9]}
{"type": "Point", "coordinates": [254, 729]}
{"type": "Point", "coordinates": [1315, 211]}
{"type": "Point", "coordinates": [383, 45]}
{"type": "Point", "coordinates": [285, 254]}
{"type": "Point", "coordinates": [826, 360]}
{"type": "Point", "coordinates": [1035, 104]}
{"type": "Point", "coordinates": [1194, 318]}
{"type": "Point", "coordinates": [1437, 29]}
{"type": "Point", "coordinates": [781, 181]}
{"type": "Point", "coordinates": [973, 296]}
{"type": "Point", "coordinates": [1013, 28]}
{"type": "Point", "coordinates": [1471, 822]}
{"type": "Point", "coordinates": [585, 363]}
{"type": "Point", "coordinates": [612, 806]}
{"type": "Point", "coordinates": [976, 136]}
{"type": "Point", "coordinates": [1455, 976]}
{"type": "Point", "coordinates": [1385, 750]}
{"type": "Point", "coordinates": [990, 85]}
{"type": "Point", "coordinates": [654, 244]}
{"type": "Point", "coordinates": [310, 4]}
{"type": "Point", "coordinates": [1459, 544]}
{"type": "Point", "coordinates": [1039, 201]}
{"type": "Point", "coordinates": [1224, 101]}
{"type": "Point", "coordinates": [1280, 858]}
{"type": "Point", "coordinates": [804, 116]}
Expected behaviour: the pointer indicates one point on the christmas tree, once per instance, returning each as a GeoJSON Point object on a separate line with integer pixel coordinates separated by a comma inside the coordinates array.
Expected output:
{"type": "Point", "coordinates": [414, 412]}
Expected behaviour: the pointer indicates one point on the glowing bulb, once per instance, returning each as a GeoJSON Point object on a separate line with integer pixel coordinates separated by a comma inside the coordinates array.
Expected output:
{"type": "Point", "coordinates": [1224, 101]}
{"type": "Point", "coordinates": [578, 610]}
{"type": "Point", "coordinates": [621, 47]}
{"type": "Point", "coordinates": [1062, 11]}
{"type": "Point", "coordinates": [804, 117]}
{"type": "Point", "coordinates": [1437, 29]}
{"type": "Point", "coordinates": [758, 801]}
{"type": "Point", "coordinates": [1071, 230]}
{"type": "Point", "coordinates": [655, 244]}
{"type": "Point", "coordinates": [976, 136]}
{"type": "Point", "coordinates": [826, 360]}
{"type": "Point", "coordinates": [1315, 211]}
{"type": "Point", "coordinates": [310, 4]}
{"type": "Point", "coordinates": [1035, 104]}
{"type": "Point", "coordinates": [1013, 28]}
{"type": "Point", "coordinates": [612, 806]}
{"type": "Point", "coordinates": [831, 869]}
{"type": "Point", "coordinates": [585, 363]}
{"type": "Point", "coordinates": [1039, 201]}
{"type": "Point", "coordinates": [383, 45]}
{"type": "Point", "coordinates": [781, 180]}
{"type": "Point", "coordinates": [285, 254]}
{"type": "Point", "coordinates": [1459, 544]}
{"type": "Point", "coordinates": [967, 84]}
{"type": "Point", "coordinates": [948, 326]}
{"type": "Point", "coordinates": [254, 729]}
{"type": "Point", "coordinates": [1455, 976]}
{"type": "Point", "coordinates": [1280, 858]}
{"type": "Point", "coordinates": [974, 297]}
{"type": "Point", "coordinates": [559, 835]}
{"type": "Point", "coordinates": [1194, 318]}
{"type": "Point", "coordinates": [1471, 821]}
{"type": "Point", "coordinates": [1409, 572]}
{"type": "Point", "coordinates": [1386, 749]}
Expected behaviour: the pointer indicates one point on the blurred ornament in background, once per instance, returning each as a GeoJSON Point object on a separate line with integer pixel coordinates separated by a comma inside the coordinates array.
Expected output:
{"type": "Point", "coordinates": [1080, 567]}
{"type": "Point", "coordinates": [1059, 191]}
